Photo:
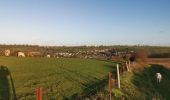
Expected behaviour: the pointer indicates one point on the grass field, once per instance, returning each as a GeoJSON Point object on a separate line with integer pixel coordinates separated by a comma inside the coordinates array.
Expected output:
{"type": "Point", "coordinates": [142, 85]}
{"type": "Point", "coordinates": [67, 78]}
{"type": "Point", "coordinates": [59, 78]}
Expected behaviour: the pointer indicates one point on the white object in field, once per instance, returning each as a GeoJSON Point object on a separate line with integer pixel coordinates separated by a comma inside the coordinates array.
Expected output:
{"type": "Point", "coordinates": [7, 52]}
{"type": "Point", "coordinates": [21, 54]}
{"type": "Point", "coordinates": [158, 77]}
{"type": "Point", "coordinates": [48, 56]}
{"type": "Point", "coordinates": [118, 77]}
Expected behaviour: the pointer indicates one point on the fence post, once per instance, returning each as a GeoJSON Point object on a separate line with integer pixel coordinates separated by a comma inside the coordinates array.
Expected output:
{"type": "Point", "coordinates": [110, 86]}
{"type": "Point", "coordinates": [118, 76]}
{"type": "Point", "coordinates": [39, 93]}
{"type": "Point", "coordinates": [133, 64]}
{"type": "Point", "coordinates": [130, 65]}
{"type": "Point", "coordinates": [127, 66]}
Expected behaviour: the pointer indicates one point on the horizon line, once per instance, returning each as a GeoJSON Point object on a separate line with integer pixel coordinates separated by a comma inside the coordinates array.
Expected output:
{"type": "Point", "coordinates": [91, 45]}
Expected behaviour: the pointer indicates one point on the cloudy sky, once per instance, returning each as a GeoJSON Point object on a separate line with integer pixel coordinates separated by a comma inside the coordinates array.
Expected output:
{"type": "Point", "coordinates": [85, 22]}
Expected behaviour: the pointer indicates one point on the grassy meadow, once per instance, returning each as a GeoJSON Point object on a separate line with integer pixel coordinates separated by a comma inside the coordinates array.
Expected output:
{"type": "Point", "coordinates": [61, 78]}
{"type": "Point", "coordinates": [142, 85]}
{"type": "Point", "coordinates": [70, 78]}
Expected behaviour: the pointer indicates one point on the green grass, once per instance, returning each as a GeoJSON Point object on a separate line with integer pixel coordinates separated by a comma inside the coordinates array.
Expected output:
{"type": "Point", "coordinates": [59, 78]}
{"type": "Point", "coordinates": [141, 85]}
{"type": "Point", "coordinates": [70, 78]}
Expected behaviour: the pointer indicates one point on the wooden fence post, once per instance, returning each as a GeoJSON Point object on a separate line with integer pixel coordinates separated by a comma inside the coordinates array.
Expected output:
{"type": "Point", "coordinates": [130, 65]}
{"type": "Point", "coordinates": [133, 64]}
{"type": "Point", "coordinates": [118, 76]}
{"type": "Point", "coordinates": [127, 66]}
{"type": "Point", "coordinates": [124, 69]}
{"type": "Point", "coordinates": [110, 86]}
{"type": "Point", "coordinates": [39, 93]}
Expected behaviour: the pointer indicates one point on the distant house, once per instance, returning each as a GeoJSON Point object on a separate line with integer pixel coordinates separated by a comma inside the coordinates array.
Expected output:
{"type": "Point", "coordinates": [7, 52]}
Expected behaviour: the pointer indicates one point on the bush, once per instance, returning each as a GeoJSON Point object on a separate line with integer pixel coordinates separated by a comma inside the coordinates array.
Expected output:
{"type": "Point", "coordinates": [141, 56]}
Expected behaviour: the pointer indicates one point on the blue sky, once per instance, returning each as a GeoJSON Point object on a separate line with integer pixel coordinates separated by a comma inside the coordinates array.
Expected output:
{"type": "Point", "coordinates": [85, 22]}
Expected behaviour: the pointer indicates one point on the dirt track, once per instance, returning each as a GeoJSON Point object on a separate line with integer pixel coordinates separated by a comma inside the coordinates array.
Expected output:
{"type": "Point", "coordinates": [161, 61]}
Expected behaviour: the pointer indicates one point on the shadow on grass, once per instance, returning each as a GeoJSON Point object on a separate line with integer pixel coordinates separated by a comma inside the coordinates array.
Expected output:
{"type": "Point", "coordinates": [92, 88]}
{"type": "Point", "coordinates": [145, 82]}
{"type": "Point", "coordinates": [6, 84]}
{"type": "Point", "coordinates": [89, 91]}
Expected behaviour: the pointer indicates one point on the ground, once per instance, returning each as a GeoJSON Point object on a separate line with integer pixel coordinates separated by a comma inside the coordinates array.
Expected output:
{"type": "Point", "coordinates": [141, 84]}
{"type": "Point", "coordinates": [70, 78]}
{"type": "Point", "coordinates": [60, 78]}
{"type": "Point", "coordinates": [161, 61]}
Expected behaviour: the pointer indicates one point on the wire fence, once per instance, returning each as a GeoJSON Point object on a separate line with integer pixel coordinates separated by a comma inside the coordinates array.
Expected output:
{"type": "Point", "coordinates": [93, 92]}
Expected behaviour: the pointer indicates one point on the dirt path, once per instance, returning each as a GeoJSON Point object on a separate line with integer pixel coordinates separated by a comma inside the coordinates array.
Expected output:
{"type": "Point", "coordinates": [161, 61]}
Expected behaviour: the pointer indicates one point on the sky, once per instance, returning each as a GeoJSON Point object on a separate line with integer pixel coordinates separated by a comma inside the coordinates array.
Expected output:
{"type": "Point", "coordinates": [85, 22]}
